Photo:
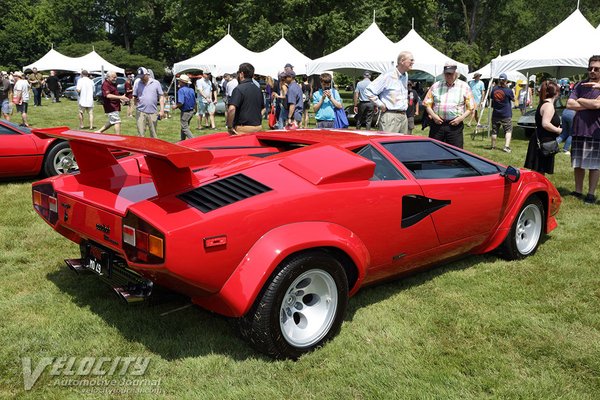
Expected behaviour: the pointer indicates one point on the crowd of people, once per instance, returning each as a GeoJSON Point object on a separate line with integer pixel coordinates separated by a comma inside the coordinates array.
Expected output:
{"type": "Point", "coordinates": [388, 103]}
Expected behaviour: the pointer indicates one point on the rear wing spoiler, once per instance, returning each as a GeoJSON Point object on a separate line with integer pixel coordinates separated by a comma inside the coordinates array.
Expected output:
{"type": "Point", "coordinates": [170, 164]}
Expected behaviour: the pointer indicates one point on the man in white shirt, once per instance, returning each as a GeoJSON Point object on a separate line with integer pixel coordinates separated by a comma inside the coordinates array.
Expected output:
{"type": "Point", "coordinates": [85, 89]}
{"type": "Point", "coordinates": [21, 96]}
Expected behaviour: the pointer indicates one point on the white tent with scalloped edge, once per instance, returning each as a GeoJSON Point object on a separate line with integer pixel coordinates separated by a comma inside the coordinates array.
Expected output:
{"type": "Point", "coordinates": [369, 51]}
{"type": "Point", "coordinates": [52, 60]}
{"type": "Point", "coordinates": [427, 58]}
{"type": "Point", "coordinates": [272, 60]}
{"type": "Point", "coordinates": [486, 73]}
{"type": "Point", "coordinates": [224, 56]}
{"type": "Point", "coordinates": [564, 51]}
{"type": "Point", "coordinates": [94, 62]}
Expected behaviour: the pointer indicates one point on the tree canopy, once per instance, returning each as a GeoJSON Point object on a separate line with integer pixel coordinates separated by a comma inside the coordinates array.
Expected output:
{"type": "Point", "coordinates": [159, 33]}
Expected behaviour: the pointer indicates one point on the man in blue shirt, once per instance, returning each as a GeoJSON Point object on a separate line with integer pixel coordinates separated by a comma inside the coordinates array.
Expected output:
{"type": "Point", "coordinates": [186, 102]}
{"type": "Point", "coordinates": [294, 100]}
{"type": "Point", "coordinates": [502, 98]}
{"type": "Point", "coordinates": [478, 90]}
{"type": "Point", "coordinates": [363, 107]}
{"type": "Point", "coordinates": [147, 94]}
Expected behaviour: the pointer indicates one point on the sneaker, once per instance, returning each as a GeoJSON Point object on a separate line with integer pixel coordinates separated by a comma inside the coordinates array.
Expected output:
{"type": "Point", "coordinates": [589, 199]}
{"type": "Point", "coordinates": [566, 152]}
{"type": "Point", "coordinates": [506, 149]}
{"type": "Point", "coordinates": [576, 194]}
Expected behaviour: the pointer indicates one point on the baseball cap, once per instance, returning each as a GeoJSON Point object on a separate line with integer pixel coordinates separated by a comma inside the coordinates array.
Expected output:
{"type": "Point", "coordinates": [142, 71]}
{"type": "Point", "coordinates": [449, 67]}
{"type": "Point", "coordinates": [288, 65]}
{"type": "Point", "coordinates": [503, 76]}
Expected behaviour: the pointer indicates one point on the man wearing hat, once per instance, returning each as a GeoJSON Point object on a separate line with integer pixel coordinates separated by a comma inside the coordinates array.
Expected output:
{"type": "Point", "coordinates": [478, 90]}
{"type": "Point", "coordinates": [363, 107]}
{"type": "Point", "coordinates": [186, 102]}
{"type": "Point", "coordinates": [5, 90]}
{"type": "Point", "coordinates": [448, 103]}
{"type": "Point", "coordinates": [502, 99]}
{"type": "Point", "coordinates": [294, 100]}
{"type": "Point", "coordinates": [390, 92]}
{"type": "Point", "coordinates": [146, 95]}
{"type": "Point", "coordinates": [21, 96]}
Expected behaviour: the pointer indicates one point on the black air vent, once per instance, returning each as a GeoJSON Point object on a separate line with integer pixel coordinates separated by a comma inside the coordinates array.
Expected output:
{"type": "Point", "coordinates": [221, 193]}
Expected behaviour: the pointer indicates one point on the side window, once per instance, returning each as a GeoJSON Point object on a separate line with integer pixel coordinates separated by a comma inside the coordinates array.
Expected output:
{"type": "Point", "coordinates": [384, 169]}
{"type": "Point", "coordinates": [7, 131]}
{"type": "Point", "coordinates": [484, 167]}
{"type": "Point", "coordinates": [428, 160]}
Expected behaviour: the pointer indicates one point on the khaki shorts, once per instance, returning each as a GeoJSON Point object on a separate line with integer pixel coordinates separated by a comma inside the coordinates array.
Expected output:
{"type": "Point", "coordinates": [90, 110]}
{"type": "Point", "coordinates": [114, 118]}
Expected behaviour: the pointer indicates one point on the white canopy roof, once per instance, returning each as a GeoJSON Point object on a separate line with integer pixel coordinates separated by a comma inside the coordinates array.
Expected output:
{"type": "Point", "coordinates": [224, 56]}
{"type": "Point", "coordinates": [91, 62]}
{"type": "Point", "coordinates": [52, 60]}
{"type": "Point", "coordinates": [427, 57]}
{"type": "Point", "coordinates": [272, 60]}
{"type": "Point", "coordinates": [371, 50]}
{"type": "Point", "coordinates": [563, 51]}
{"type": "Point", "coordinates": [486, 73]}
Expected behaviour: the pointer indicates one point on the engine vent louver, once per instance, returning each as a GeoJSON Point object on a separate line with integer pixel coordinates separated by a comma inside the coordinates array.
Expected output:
{"type": "Point", "coordinates": [224, 192]}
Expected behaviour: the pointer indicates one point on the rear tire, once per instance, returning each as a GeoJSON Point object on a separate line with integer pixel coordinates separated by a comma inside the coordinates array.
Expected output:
{"type": "Point", "coordinates": [526, 231]}
{"type": "Point", "coordinates": [301, 307]}
{"type": "Point", "coordinates": [59, 160]}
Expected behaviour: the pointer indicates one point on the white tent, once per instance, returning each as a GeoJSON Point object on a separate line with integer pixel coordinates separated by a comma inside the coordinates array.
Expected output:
{"type": "Point", "coordinates": [486, 73]}
{"type": "Point", "coordinates": [52, 60]}
{"type": "Point", "coordinates": [427, 58]}
{"type": "Point", "coordinates": [224, 56]}
{"type": "Point", "coordinates": [563, 51]}
{"type": "Point", "coordinates": [93, 62]}
{"type": "Point", "coordinates": [272, 60]}
{"type": "Point", "coordinates": [371, 50]}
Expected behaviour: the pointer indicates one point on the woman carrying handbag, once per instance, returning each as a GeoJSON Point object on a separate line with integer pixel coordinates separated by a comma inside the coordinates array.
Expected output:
{"type": "Point", "coordinates": [542, 145]}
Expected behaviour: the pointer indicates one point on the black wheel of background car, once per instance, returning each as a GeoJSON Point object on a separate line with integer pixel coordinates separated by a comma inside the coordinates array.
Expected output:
{"type": "Point", "coordinates": [526, 231]}
{"type": "Point", "coordinates": [301, 307]}
{"type": "Point", "coordinates": [59, 160]}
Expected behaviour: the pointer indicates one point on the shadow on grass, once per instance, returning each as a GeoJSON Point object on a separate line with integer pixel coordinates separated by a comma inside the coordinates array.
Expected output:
{"type": "Point", "coordinates": [167, 324]}
{"type": "Point", "coordinates": [170, 326]}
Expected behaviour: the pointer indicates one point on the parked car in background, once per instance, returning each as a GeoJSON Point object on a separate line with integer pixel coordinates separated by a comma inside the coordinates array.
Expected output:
{"type": "Point", "coordinates": [71, 91]}
{"type": "Point", "coordinates": [527, 121]}
{"type": "Point", "coordinates": [23, 154]}
{"type": "Point", "coordinates": [279, 229]}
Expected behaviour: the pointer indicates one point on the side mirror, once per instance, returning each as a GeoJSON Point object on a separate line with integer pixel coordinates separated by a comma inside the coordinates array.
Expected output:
{"type": "Point", "coordinates": [512, 174]}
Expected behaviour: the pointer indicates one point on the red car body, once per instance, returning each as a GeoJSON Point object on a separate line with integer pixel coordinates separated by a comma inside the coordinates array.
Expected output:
{"type": "Point", "coordinates": [21, 153]}
{"type": "Point", "coordinates": [218, 215]}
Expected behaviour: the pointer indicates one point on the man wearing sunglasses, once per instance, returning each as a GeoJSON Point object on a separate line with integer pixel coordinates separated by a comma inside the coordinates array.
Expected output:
{"type": "Point", "coordinates": [585, 148]}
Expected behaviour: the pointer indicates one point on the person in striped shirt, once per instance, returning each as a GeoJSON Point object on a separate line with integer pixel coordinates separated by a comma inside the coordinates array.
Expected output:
{"type": "Point", "coordinates": [448, 103]}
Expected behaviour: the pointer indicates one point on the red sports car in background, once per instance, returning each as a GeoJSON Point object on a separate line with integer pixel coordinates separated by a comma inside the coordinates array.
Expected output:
{"type": "Point", "coordinates": [24, 154]}
{"type": "Point", "coordinates": [280, 228]}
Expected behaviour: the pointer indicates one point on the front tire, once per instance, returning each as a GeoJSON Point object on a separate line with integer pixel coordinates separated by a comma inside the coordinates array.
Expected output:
{"type": "Point", "coordinates": [526, 231]}
{"type": "Point", "coordinates": [59, 160]}
{"type": "Point", "coordinates": [301, 307]}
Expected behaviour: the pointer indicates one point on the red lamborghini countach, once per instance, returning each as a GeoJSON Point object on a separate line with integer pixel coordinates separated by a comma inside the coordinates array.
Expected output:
{"type": "Point", "coordinates": [278, 229]}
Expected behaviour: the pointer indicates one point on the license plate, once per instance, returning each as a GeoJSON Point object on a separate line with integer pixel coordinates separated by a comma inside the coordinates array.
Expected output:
{"type": "Point", "coordinates": [97, 260]}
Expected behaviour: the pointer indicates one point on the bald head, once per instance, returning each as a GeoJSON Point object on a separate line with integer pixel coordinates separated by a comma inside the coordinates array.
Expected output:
{"type": "Point", "coordinates": [405, 61]}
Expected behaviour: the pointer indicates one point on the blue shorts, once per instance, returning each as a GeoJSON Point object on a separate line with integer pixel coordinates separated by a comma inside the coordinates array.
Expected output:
{"type": "Point", "coordinates": [6, 107]}
{"type": "Point", "coordinates": [202, 107]}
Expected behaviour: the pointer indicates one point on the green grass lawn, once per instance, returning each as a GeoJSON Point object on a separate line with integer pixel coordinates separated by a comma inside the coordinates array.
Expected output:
{"type": "Point", "coordinates": [477, 328]}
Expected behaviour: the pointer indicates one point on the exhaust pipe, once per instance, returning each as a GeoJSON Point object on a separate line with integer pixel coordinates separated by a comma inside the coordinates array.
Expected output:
{"type": "Point", "coordinates": [76, 264]}
{"type": "Point", "coordinates": [133, 293]}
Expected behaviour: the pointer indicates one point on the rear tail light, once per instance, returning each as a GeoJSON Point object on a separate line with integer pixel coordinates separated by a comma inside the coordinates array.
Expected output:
{"type": "Point", "coordinates": [142, 242]}
{"type": "Point", "coordinates": [45, 202]}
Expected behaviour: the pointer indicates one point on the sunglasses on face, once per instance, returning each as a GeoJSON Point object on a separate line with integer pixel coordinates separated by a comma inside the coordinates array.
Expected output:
{"type": "Point", "coordinates": [593, 69]}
